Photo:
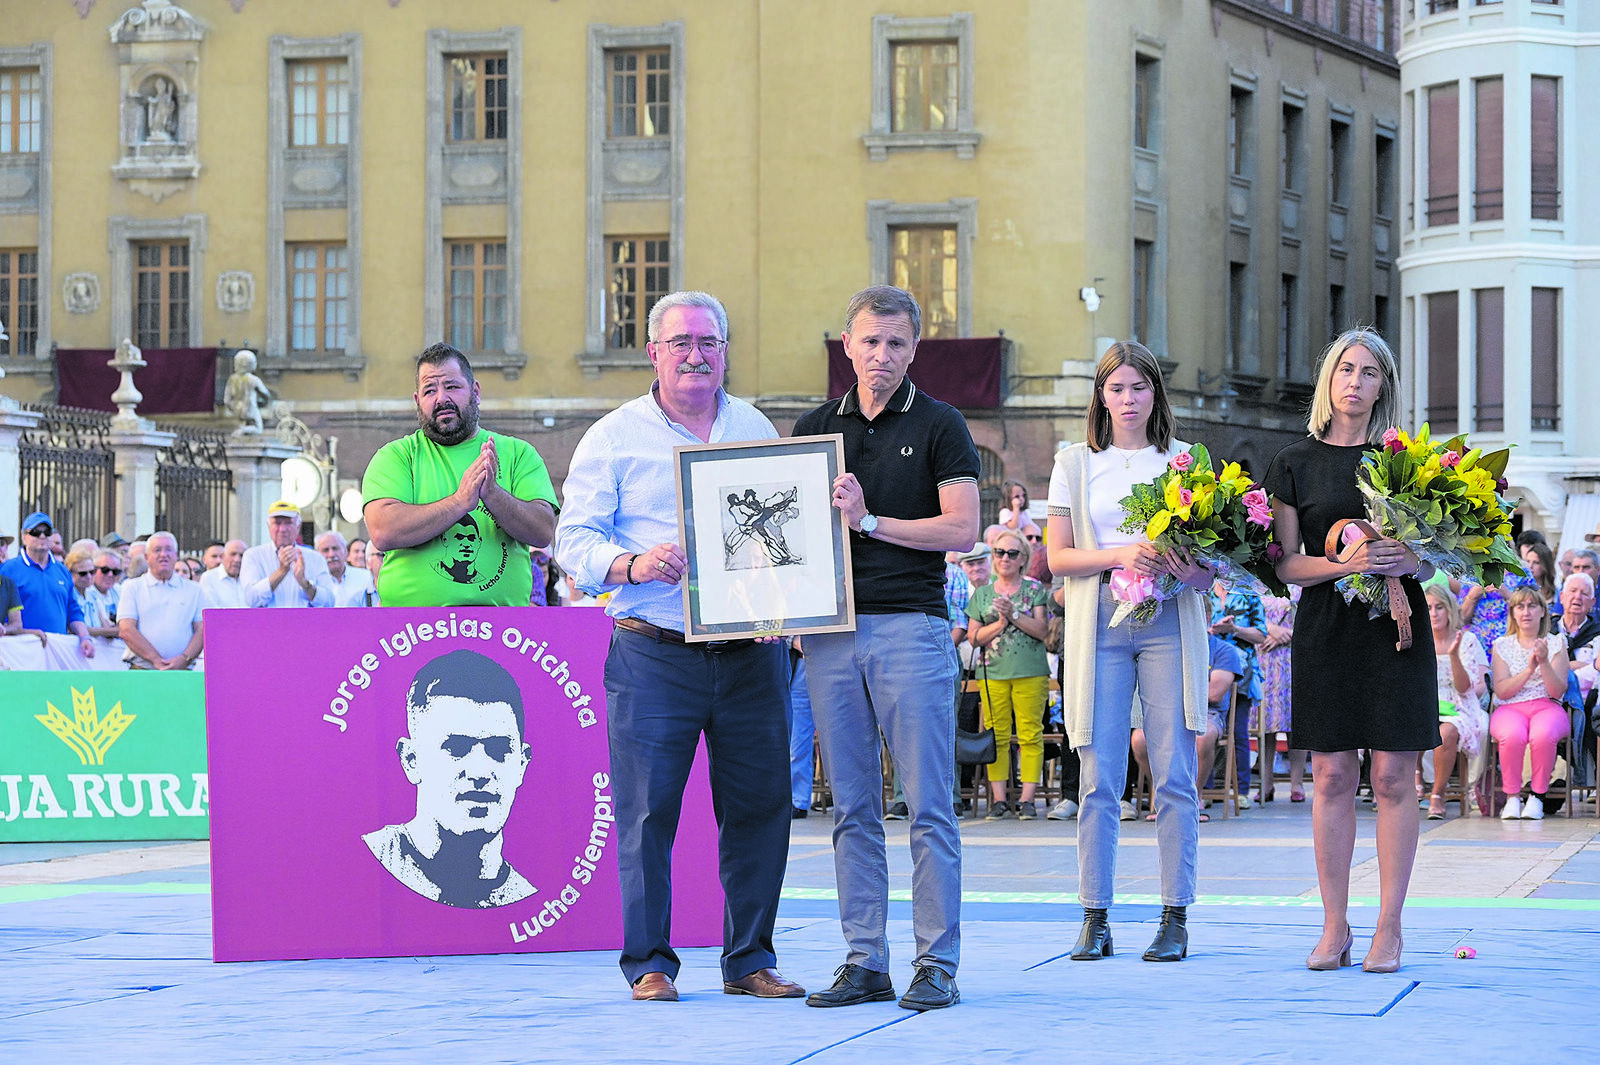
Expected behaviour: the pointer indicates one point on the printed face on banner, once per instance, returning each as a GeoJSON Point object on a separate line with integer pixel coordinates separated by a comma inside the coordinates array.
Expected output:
{"type": "Point", "coordinates": [465, 753]}
{"type": "Point", "coordinates": [380, 799]}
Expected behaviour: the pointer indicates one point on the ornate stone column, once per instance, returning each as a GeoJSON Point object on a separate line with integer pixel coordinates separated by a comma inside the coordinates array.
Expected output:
{"type": "Point", "coordinates": [14, 421]}
{"type": "Point", "coordinates": [136, 444]}
{"type": "Point", "coordinates": [257, 465]}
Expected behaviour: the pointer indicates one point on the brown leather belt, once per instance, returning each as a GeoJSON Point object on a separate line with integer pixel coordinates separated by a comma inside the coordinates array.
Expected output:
{"type": "Point", "coordinates": [655, 632]}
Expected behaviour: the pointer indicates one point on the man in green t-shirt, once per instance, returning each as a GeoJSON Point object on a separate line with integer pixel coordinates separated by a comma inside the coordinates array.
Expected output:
{"type": "Point", "coordinates": [452, 505]}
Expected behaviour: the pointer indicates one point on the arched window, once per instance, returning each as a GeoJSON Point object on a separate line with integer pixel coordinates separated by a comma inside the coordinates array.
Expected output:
{"type": "Point", "coordinates": [991, 474]}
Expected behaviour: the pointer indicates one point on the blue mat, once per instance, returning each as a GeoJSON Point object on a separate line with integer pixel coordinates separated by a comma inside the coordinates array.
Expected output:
{"type": "Point", "coordinates": [125, 977]}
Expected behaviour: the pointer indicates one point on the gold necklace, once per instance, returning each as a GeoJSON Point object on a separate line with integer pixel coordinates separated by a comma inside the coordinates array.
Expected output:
{"type": "Point", "coordinates": [1127, 456]}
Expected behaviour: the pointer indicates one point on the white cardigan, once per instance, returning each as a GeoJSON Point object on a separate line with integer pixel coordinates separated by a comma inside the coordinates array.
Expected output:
{"type": "Point", "coordinates": [1081, 619]}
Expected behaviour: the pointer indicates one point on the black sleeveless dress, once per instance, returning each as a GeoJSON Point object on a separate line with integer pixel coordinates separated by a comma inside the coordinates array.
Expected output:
{"type": "Point", "coordinates": [1350, 687]}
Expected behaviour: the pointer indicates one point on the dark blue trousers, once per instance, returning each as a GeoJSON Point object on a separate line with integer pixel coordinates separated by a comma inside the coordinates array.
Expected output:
{"type": "Point", "coordinates": [661, 697]}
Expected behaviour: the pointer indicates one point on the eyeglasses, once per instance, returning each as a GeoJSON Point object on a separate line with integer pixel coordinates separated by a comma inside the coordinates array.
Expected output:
{"type": "Point", "coordinates": [1035, 539]}
{"type": "Point", "coordinates": [707, 346]}
{"type": "Point", "coordinates": [109, 569]}
{"type": "Point", "coordinates": [1011, 552]}
{"type": "Point", "coordinates": [83, 572]}
{"type": "Point", "coordinates": [39, 530]}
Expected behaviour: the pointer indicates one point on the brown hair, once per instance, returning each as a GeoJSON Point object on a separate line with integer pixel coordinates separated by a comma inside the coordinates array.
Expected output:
{"type": "Point", "coordinates": [1159, 429]}
{"type": "Point", "coordinates": [1527, 594]}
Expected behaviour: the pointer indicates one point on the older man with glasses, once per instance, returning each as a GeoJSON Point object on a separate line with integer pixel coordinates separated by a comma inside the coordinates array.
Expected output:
{"type": "Point", "coordinates": [49, 603]}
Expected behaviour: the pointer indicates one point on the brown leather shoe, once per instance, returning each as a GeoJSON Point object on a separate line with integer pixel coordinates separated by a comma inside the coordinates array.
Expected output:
{"type": "Point", "coordinates": [764, 983]}
{"type": "Point", "coordinates": [655, 987]}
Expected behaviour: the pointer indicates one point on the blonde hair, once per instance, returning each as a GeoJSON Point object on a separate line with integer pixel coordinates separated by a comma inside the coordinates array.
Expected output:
{"type": "Point", "coordinates": [1527, 594]}
{"type": "Point", "coordinates": [1159, 429]}
{"type": "Point", "coordinates": [1021, 541]}
{"type": "Point", "coordinates": [1387, 407]}
{"type": "Point", "coordinates": [1452, 609]}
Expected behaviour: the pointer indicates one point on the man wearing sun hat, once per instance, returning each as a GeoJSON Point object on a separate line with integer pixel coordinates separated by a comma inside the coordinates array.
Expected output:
{"type": "Point", "coordinates": [283, 571]}
{"type": "Point", "coordinates": [45, 585]}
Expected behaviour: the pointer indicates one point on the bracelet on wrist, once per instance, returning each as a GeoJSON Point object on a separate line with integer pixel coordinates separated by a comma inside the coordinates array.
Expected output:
{"type": "Point", "coordinates": [631, 560]}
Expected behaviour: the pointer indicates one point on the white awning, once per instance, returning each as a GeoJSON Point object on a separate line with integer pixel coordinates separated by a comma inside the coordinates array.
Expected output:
{"type": "Point", "coordinates": [1582, 516]}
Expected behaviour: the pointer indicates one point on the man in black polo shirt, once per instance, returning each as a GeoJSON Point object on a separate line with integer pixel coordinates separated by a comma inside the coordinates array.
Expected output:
{"type": "Point", "coordinates": [911, 494]}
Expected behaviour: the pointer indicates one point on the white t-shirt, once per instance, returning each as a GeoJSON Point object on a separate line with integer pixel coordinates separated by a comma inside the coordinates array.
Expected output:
{"type": "Point", "coordinates": [1112, 475]}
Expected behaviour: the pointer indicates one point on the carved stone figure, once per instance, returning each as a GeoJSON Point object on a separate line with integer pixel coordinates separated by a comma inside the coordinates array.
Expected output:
{"type": "Point", "coordinates": [236, 291]}
{"type": "Point", "coordinates": [81, 293]}
{"type": "Point", "coordinates": [160, 112]}
{"type": "Point", "coordinates": [245, 393]}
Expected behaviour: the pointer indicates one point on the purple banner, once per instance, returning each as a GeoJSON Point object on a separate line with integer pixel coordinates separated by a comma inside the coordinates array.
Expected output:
{"type": "Point", "coordinates": [176, 381]}
{"type": "Point", "coordinates": [400, 782]}
{"type": "Point", "coordinates": [964, 372]}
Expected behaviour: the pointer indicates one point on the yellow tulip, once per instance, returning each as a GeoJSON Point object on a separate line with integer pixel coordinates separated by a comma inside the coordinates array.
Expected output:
{"type": "Point", "coordinates": [1158, 524]}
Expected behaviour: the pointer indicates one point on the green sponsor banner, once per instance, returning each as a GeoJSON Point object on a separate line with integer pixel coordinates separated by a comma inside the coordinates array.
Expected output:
{"type": "Point", "coordinates": [102, 756]}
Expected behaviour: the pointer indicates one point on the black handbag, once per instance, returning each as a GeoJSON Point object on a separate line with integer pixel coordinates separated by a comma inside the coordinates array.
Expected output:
{"type": "Point", "coordinates": [974, 744]}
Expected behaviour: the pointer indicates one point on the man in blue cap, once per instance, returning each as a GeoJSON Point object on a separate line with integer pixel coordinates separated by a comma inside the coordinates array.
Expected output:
{"type": "Point", "coordinates": [48, 602]}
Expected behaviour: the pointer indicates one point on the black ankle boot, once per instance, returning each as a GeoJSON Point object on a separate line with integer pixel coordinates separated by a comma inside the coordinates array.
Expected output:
{"type": "Point", "coordinates": [1172, 938]}
{"type": "Point", "coordinates": [1094, 942]}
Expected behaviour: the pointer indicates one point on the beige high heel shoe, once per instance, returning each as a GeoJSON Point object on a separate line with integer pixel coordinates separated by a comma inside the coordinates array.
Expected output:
{"type": "Point", "coordinates": [1335, 960]}
{"type": "Point", "coordinates": [1376, 962]}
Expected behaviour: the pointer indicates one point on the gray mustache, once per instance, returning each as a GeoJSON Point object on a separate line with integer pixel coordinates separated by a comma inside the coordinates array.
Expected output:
{"type": "Point", "coordinates": [703, 368]}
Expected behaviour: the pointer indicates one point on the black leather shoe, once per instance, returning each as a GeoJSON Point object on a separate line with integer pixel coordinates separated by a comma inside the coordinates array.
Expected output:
{"type": "Point", "coordinates": [931, 989]}
{"type": "Point", "coordinates": [1094, 942]}
{"type": "Point", "coordinates": [1172, 938]}
{"type": "Point", "coordinates": [854, 986]}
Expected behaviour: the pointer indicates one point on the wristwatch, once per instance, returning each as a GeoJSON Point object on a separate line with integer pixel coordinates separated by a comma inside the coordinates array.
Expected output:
{"type": "Point", "coordinates": [869, 524]}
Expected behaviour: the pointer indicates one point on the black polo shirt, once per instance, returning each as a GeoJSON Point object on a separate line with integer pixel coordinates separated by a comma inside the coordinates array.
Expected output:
{"type": "Point", "coordinates": [915, 446]}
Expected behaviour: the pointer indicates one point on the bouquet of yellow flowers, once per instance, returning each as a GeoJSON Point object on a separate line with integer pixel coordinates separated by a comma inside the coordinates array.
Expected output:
{"type": "Point", "coordinates": [1222, 519]}
{"type": "Point", "coordinates": [1442, 500]}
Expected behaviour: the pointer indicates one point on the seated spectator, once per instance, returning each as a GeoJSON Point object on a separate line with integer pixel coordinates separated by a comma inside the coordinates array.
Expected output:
{"type": "Point", "coordinates": [1586, 560]}
{"type": "Point", "coordinates": [1579, 630]}
{"type": "Point", "coordinates": [160, 618]}
{"type": "Point", "coordinates": [375, 562]}
{"type": "Point", "coordinates": [220, 587]}
{"type": "Point", "coordinates": [135, 565]}
{"type": "Point", "coordinates": [48, 600]}
{"type": "Point", "coordinates": [283, 572]}
{"type": "Point", "coordinates": [1226, 669]}
{"type": "Point", "coordinates": [1014, 514]}
{"type": "Point", "coordinates": [1541, 566]}
{"type": "Point", "coordinates": [1240, 617]}
{"type": "Point", "coordinates": [97, 610]}
{"type": "Point", "coordinates": [1461, 666]}
{"type": "Point", "coordinates": [351, 586]}
{"type": "Point", "coordinates": [106, 591]}
{"type": "Point", "coordinates": [1008, 622]}
{"type": "Point", "coordinates": [1530, 677]}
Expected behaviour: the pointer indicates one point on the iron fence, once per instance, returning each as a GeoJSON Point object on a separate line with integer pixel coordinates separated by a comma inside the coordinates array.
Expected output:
{"type": "Point", "coordinates": [68, 470]}
{"type": "Point", "coordinates": [194, 487]}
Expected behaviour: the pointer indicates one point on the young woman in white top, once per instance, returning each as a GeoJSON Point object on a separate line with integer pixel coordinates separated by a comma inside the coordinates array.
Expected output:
{"type": "Point", "coordinates": [1129, 441]}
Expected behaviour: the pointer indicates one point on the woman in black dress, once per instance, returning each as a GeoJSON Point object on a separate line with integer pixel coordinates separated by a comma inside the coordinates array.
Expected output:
{"type": "Point", "coordinates": [1351, 689]}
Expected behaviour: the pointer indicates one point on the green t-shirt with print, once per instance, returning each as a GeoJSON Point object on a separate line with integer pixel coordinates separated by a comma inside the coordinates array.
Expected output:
{"type": "Point", "coordinates": [472, 563]}
{"type": "Point", "coordinates": [1013, 654]}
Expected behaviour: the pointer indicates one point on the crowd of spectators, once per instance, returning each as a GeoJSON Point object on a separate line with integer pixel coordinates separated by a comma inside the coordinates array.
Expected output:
{"type": "Point", "coordinates": [65, 605]}
{"type": "Point", "coordinates": [1469, 622]}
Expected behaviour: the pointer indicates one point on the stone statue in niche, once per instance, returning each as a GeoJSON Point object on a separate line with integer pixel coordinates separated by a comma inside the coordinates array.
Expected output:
{"type": "Point", "coordinates": [236, 291]}
{"type": "Point", "coordinates": [160, 111]}
{"type": "Point", "coordinates": [245, 393]}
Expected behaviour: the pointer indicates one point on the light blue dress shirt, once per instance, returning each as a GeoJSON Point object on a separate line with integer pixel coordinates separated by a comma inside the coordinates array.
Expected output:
{"type": "Point", "coordinates": [620, 497]}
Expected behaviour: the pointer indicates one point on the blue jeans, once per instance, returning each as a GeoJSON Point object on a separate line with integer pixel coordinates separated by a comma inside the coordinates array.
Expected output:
{"type": "Point", "coordinates": [896, 673]}
{"type": "Point", "coordinates": [801, 732]}
{"type": "Point", "coordinates": [659, 698]}
{"type": "Point", "coordinates": [1149, 657]}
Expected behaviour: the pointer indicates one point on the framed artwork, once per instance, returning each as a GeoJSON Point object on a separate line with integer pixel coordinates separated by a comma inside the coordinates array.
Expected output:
{"type": "Point", "coordinates": [768, 553]}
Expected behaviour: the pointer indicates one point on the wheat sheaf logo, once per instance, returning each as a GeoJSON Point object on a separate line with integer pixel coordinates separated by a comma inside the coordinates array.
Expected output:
{"type": "Point", "coordinates": [88, 734]}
